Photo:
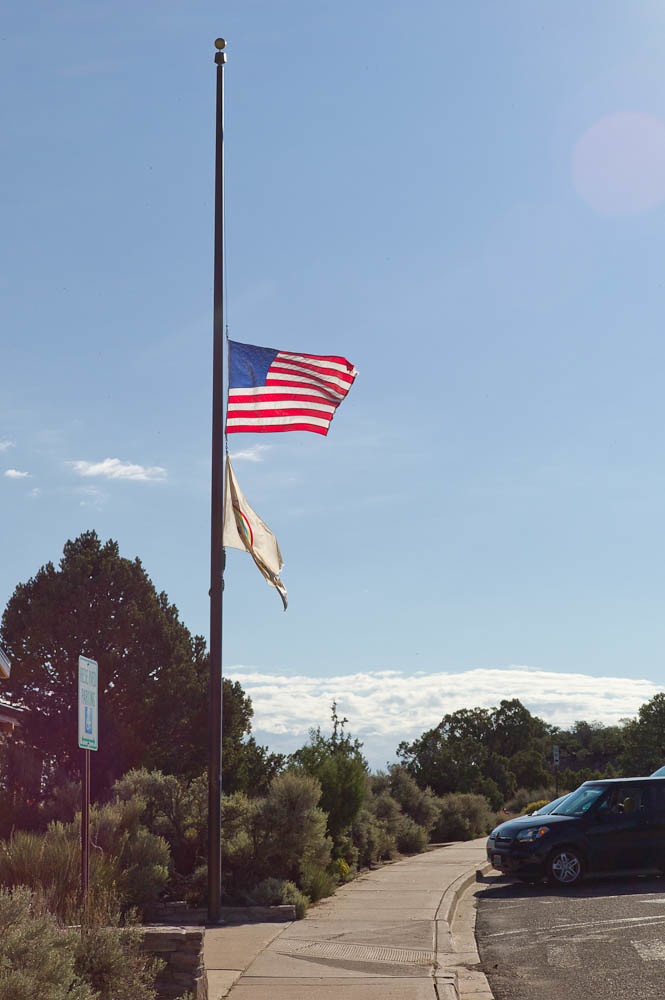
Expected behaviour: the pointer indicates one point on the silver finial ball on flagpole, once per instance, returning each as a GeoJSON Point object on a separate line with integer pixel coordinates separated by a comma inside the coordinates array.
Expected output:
{"type": "Point", "coordinates": [220, 43]}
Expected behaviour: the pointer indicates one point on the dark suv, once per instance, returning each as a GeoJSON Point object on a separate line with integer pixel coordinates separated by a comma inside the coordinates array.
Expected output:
{"type": "Point", "coordinates": [603, 826]}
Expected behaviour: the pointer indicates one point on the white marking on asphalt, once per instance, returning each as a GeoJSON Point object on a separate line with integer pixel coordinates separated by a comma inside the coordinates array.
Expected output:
{"type": "Point", "coordinates": [563, 956]}
{"type": "Point", "coordinates": [617, 921]}
{"type": "Point", "coordinates": [624, 895]}
{"type": "Point", "coordinates": [595, 936]}
{"type": "Point", "coordinates": [650, 951]}
{"type": "Point", "coordinates": [520, 930]}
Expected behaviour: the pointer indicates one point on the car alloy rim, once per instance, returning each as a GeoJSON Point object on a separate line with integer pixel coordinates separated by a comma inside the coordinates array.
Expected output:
{"type": "Point", "coordinates": [566, 867]}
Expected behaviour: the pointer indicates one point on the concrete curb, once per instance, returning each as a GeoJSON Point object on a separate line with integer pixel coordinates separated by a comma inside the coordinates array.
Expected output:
{"type": "Point", "coordinates": [452, 894]}
{"type": "Point", "coordinates": [282, 913]}
{"type": "Point", "coordinates": [446, 987]}
{"type": "Point", "coordinates": [475, 984]}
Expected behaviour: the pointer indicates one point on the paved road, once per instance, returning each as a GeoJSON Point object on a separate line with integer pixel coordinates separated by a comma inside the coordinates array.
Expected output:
{"type": "Point", "coordinates": [604, 940]}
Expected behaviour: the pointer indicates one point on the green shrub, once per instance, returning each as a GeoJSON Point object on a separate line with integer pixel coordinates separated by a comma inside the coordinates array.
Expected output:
{"type": "Point", "coordinates": [194, 887]}
{"type": "Point", "coordinates": [173, 808]}
{"type": "Point", "coordinates": [372, 838]}
{"type": "Point", "coordinates": [411, 838]}
{"type": "Point", "coordinates": [36, 958]}
{"type": "Point", "coordinates": [142, 858]}
{"type": "Point", "coordinates": [386, 824]}
{"type": "Point", "coordinates": [340, 869]}
{"type": "Point", "coordinates": [276, 892]}
{"type": "Point", "coordinates": [50, 864]}
{"type": "Point", "coordinates": [417, 803]}
{"type": "Point", "coordinates": [239, 844]}
{"type": "Point", "coordinates": [299, 900]}
{"type": "Point", "coordinates": [345, 850]}
{"type": "Point", "coordinates": [40, 959]}
{"type": "Point", "coordinates": [318, 883]}
{"type": "Point", "coordinates": [124, 858]}
{"type": "Point", "coordinates": [385, 808]}
{"type": "Point", "coordinates": [267, 893]}
{"type": "Point", "coordinates": [523, 796]}
{"type": "Point", "coordinates": [290, 829]}
{"type": "Point", "coordinates": [111, 960]}
{"type": "Point", "coordinates": [462, 817]}
{"type": "Point", "coordinates": [378, 782]}
{"type": "Point", "coordinates": [281, 835]}
{"type": "Point", "coordinates": [532, 806]}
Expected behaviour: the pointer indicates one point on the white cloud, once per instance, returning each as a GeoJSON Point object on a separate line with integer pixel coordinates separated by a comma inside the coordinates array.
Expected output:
{"type": "Point", "coordinates": [16, 474]}
{"type": "Point", "coordinates": [5, 445]}
{"type": "Point", "coordinates": [386, 707]}
{"type": "Point", "coordinates": [113, 468]}
{"type": "Point", "coordinates": [35, 492]}
{"type": "Point", "coordinates": [253, 454]}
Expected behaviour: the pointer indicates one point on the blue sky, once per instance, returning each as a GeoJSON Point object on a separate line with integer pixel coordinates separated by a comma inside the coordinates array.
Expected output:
{"type": "Point", "coordinates": [466, 200]}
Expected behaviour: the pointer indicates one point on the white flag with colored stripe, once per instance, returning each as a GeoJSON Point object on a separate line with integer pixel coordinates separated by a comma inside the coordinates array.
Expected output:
{"type": "Point", "coordinates": [244, 529]}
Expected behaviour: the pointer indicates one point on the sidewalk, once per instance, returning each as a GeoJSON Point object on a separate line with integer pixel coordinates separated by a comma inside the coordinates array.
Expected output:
{"type": "Point", "coordinates": [385, 936]}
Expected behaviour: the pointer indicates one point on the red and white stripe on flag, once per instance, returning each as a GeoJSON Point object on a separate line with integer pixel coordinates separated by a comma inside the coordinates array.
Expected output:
{"type": "Point", "coordinates": [301, 393]}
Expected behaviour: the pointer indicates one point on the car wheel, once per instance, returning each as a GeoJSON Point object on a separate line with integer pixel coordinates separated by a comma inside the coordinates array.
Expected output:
{"type": "Point", "coordinates": [566, 867]}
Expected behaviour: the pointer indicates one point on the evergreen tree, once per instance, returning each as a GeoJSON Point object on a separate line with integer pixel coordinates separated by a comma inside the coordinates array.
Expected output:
{"type": "Point", "coordinates": [645, 738]}
{"type": "Point", "coordinates": [153, 675]}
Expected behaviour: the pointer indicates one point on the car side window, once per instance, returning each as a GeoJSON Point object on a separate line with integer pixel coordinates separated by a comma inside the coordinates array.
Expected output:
{"type": "Point", "coordinates": [631, 800]}
{"type": "Point", "coordinates": [605, 805]}
{"type": "Point", "coordinates": [657, 800]}
{"type": "Point", "coordinates": [622, 802]}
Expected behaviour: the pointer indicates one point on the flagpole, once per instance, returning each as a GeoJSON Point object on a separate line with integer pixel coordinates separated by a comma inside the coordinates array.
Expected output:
{"type": "Point", "coordinates": [217, 554]}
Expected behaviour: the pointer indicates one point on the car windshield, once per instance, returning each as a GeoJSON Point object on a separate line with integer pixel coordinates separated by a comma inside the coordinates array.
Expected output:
{"type": "Point", "coordinates": [579, 802]}
{"type": "Point", "coordinates": [551, 807]}
{"type": "Point", "coordinates": [660, 773]}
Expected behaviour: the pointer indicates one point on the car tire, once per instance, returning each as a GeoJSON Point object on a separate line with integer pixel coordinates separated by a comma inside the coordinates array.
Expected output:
{"type": "Point", "coordinates": [565, 867]}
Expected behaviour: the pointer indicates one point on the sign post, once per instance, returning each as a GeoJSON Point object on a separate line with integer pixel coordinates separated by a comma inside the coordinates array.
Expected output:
{"type": "Point", "coordinates": [555, 758]}
{"type": "Point", "coordinates": [88, 719]}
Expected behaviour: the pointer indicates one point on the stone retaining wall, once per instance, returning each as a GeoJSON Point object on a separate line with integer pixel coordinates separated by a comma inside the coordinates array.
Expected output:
{"type": "Point", "coordinates": [179, 913]}
{"type": "Point", "coordinates": [182, 950]}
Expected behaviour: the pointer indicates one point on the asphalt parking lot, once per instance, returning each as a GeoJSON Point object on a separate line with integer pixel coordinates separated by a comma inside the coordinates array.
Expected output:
{"type": "Point", "coordinates": [604, 939]}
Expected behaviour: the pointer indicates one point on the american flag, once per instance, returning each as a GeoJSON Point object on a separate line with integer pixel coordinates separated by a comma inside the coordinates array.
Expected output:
{"type": "Point", "coordinates": [273, 390]}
